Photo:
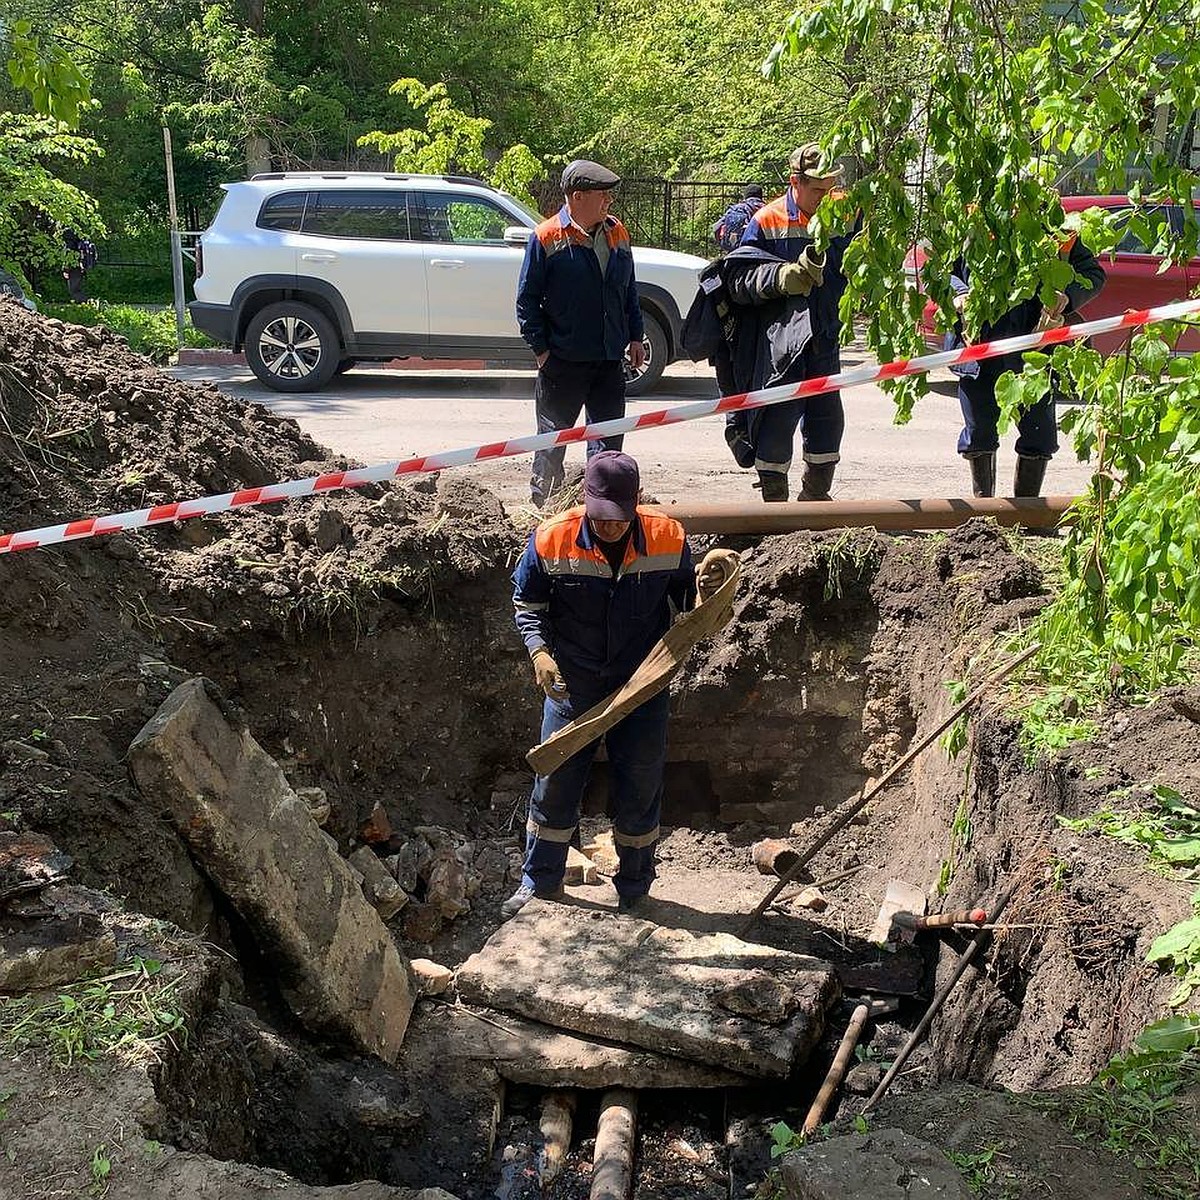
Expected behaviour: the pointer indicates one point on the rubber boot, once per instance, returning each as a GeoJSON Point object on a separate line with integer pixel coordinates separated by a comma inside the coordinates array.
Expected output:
{"type": "Point", "coordinates": [773, 485]}
{"type": "Point", "coordinates": [816, 481]}
{"type": "Point", "coordinates": [739, 444]}
{"type": "Point", "coordinates": [1028, 477]}
{"type": "Point", "coordinates": [983, 474]}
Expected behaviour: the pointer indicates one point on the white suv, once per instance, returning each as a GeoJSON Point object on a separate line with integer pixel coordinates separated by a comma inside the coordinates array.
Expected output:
{"type": "Point", "coordinates": [312, 273]}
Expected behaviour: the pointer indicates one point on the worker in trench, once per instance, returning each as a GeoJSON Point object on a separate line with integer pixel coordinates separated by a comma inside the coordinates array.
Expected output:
{"type": "Point", "coordinates": [596, 588]}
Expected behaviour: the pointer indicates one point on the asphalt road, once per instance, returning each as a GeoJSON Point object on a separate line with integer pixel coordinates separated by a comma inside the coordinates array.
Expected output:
{"type": "Point", "coordinates": [376, 416]}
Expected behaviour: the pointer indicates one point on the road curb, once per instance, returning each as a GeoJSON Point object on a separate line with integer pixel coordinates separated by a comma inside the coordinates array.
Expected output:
{"type": "Point", "coordinates": [195, 357]}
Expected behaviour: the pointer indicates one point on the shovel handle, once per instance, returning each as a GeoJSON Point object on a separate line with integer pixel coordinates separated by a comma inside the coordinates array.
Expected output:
{"type": "Point", "coordinates": [944, 920]}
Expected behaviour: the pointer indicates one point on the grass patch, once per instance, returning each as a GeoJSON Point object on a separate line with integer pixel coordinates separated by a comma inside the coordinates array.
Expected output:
{"type": "Point", "coordinates": [128, 1014]}
{"type": "Point", "coordinates": [1134, 1108]}
{"type": "Point", "coordinates": [148, 331]}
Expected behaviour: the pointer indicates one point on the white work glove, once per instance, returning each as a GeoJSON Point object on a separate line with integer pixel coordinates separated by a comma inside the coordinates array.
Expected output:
{"type": "Point", "coordinates": [713, 571]}
{"type": "Point", "coordinates": [546, 672]}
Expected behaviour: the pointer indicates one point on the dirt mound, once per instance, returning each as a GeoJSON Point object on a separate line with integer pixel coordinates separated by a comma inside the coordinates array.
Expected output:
{"type": "Point", "coordinates": [92, 427]}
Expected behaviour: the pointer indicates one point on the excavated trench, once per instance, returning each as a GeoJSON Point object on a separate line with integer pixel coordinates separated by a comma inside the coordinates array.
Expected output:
{"type": "Point", "coordinates": [365, 641]}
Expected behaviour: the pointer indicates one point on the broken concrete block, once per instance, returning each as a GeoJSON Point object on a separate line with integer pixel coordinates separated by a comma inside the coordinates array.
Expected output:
{"type": "Point", "coordinates": [411, 863]}
{"type": "Point", "coordinates": [316, 801]}
{"type": "Point", "coordinates": [46, 952]}
{"type": "Point", "coordinates": [432, 978]}
{"type": "Point", "coordinates": [603, 853]}
{"type": "Point", "coordinates": [379, 887]}
{"type": "Point", "coordinates": [377, 828]}
{"type": "Point", "coordinates": [528, 1052]}
{"type": "Point", "coordinates": [759, 996]}
{"type": "Point", "coordinates": [422, 922]}
{"type": "Point", "coordinates": [339, 967]}
{"type": "Point", "coordinates": [447, 887]}
{"type": "Point", "coordinates": [884, 1165]}
{"type": "Point", "coordinates": [580, 868]}
{"type": "Point", "coordinates": [635, 982]}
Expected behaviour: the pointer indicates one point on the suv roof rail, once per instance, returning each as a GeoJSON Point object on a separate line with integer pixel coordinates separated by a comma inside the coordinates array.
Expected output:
{"type": "Point", "coordinates": [327, 175]}
{"type": "Point", "coordinates": [468, 179]}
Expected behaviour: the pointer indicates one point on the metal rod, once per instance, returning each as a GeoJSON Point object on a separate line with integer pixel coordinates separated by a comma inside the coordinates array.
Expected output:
{"type": "Point", "coordinates": [803, 860]}
{"type": "Point", "coordinates": [964, 961]}
{"type": "Point", "coordinates": [1033, 512]}
{"type": "Point", "coordinates": [176, 241]}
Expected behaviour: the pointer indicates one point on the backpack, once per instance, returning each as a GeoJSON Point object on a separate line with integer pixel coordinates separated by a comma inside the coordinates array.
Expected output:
{"type": "Point", "coordinates": [727, 232]}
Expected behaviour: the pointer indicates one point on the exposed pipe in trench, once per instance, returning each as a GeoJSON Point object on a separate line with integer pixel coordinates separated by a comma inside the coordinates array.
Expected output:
{"type": "Point", "coordinates": [1035, 512]}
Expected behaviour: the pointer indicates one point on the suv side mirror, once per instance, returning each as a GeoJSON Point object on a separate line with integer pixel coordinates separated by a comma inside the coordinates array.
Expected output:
{"type": "Point", "coordinates": [517, 235]}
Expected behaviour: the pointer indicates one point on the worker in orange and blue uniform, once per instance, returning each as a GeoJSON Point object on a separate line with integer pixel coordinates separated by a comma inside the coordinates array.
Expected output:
{"type": "Point", "coordinates": [578, 308]}
{"type": "Point", "coordinates": [596, 588]}
{"type": "Point", "coordinates": [1037, 426]}
{"type": "Point", "coordinates": [763, 437]}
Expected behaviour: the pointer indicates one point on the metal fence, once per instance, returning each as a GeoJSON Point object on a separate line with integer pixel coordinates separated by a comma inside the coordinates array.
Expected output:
{"type": "Point", "coordinates": [673, 214]}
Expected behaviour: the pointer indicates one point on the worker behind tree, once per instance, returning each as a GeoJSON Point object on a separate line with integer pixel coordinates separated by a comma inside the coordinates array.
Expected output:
{"type": "Point", "coordinates": [594, 591]}
{"type": "Point", "coordinates": [1037, 426]}
{"type": "Point", "coordinates": [578, 308]}
{"type": "Point", "coordinates": [786, 294]}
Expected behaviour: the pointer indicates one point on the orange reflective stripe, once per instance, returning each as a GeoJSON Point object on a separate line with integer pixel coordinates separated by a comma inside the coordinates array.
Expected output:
{"type": "Point", "coordinates": [1065, 247]}
{"type": "Point", "coordinates": [774, 221]}
{"type": "Point", "coordinates": [557, 544]}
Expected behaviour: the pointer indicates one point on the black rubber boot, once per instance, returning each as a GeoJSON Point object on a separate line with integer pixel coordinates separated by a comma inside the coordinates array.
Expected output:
{"type": "Point", "coordinates": [816, 481]}
{"type": "Point", "coordinates": [1028, 477]}
{"type": "Point", "coordinates": [983, 474]}
{"type": "Point", "coordinates": [739, 444]}
{"type": "Point", "coordinates": [773, 485]}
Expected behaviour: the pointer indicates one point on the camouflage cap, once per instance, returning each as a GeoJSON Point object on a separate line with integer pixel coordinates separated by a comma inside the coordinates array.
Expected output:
{"type": "Point", "coordinates": [806, 163]}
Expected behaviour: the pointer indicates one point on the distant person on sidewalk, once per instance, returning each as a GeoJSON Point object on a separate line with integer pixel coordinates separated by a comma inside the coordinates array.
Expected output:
{"type": "Point", "coordinates": [82, 253]}
{"type": "Point", "coordinates": [1037, 426]}
{"type": "Point", "coordinates": [727, 232]}
{"type": "Point", "coordinates": [578, 308]}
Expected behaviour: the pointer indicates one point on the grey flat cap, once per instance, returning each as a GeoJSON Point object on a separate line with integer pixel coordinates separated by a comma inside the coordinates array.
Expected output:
{"type": "Point", "coordinates": [583, 175]}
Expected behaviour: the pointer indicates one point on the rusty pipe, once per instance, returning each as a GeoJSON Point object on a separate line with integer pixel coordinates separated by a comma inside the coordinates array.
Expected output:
{"type": "Point", "coordinates": [1035, 512]}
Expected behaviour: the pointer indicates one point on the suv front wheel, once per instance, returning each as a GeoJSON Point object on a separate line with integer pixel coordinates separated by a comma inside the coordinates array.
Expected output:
{"type": "Point", "coordinates": [292, 347]}
{"type": "Point", "coordinates": [638, 383]}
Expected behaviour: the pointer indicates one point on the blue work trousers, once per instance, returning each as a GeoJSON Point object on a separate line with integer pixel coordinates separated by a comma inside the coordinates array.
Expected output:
{"type": "Point", "coordinates": [1037, 428]}
{"type": "Point", "coordinates": [821, 420]}
{"type": "Point", "coordinates": [637, 751]}
{"type": "Point", "coordinates": [564, 389]}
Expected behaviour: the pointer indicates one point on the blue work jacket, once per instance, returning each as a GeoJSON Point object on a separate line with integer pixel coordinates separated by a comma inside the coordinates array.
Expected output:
{"type": "Point", "coordinates": [599, 627]}
{"type": "Point", "coordinates": [565, 306]}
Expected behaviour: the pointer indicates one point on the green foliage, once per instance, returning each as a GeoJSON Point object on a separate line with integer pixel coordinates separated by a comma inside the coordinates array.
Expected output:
{"type": "Point", "coordinates": [784, 1139]}
{"type": "Point", "coordinates": [93, 1018]}
{"type": "Point", "coordinates": [44, 69]}
{"type": "Point", "coordinates": [1132, 1107]}
{"type": "Point", "coordinates": [101, 1168]}
{"type": "Point", "coordinates": [452, 142]}
{"type": "Point", "coordinates": [978, 1167]}
{"type": "Point", "coordinates": [1169, 829]}
{"type": "Point", "coordinates": [989, 144]}
{"type": "Point", "coordinates": [148, 331]}
{"type": "Point", "coordinates": [36, 202]}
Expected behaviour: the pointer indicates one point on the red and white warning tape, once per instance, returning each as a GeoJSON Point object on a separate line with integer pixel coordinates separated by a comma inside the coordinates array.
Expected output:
{"type": "Point", "coordinates": [202, 506]}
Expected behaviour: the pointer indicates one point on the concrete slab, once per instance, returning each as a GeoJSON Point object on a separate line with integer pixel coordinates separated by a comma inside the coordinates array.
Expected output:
{"type": "Point", "coordinates": [339, 968]}
{"type": "Point", "coordinates": [528, 1052]}
{"type": "Point", "coordinates": [629, 980]}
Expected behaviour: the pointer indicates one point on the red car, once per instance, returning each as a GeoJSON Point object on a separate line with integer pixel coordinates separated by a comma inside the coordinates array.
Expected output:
{"type": "Point", "coordinates": [1134, 280]}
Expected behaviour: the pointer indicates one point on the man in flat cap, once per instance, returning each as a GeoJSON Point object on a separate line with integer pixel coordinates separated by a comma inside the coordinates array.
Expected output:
{"type": "Point", "coordinates": [577, 307]}
{"type": "Point", "coordinates": [597, 586]}
{"type": "Point", "coordinates": [792, 292]}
